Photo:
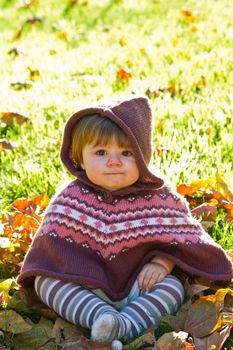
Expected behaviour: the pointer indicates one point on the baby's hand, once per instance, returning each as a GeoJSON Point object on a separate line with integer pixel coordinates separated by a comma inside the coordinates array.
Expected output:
{"type": "Point", "coordinates": [150, 274]}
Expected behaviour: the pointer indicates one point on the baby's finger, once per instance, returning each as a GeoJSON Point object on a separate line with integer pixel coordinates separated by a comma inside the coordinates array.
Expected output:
{"type": "Point", "coordinates": [144, 279]}
{"type": "Point", "coordinates": [140, 279]}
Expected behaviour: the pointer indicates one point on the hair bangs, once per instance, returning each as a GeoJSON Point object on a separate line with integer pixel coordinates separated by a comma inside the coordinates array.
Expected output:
{"type": "Point", "coordinates": [98, 130]}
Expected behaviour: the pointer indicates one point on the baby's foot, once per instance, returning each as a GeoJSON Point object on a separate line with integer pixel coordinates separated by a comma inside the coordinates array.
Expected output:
{"type": "Point", "coordinates": [117, 345]}
{"type": "Point", "coordinates": [109, 327]}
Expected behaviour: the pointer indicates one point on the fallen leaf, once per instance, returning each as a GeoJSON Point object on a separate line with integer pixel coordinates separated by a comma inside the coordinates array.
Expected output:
{"type": "Point", "coordinates": [193, 289]}
{"type": "Point", "coordinates": [189, 15]}
{"type": "Point", "coordinates": [219, 297]}
{"type": "Point", "coordinates": [186, 189]}
{"type": "Point", "coordinates": [177, 322]}
{"type": "Point", "coordinates": [12, 322]}
{"type": "Point", "coordinates": [42, 200]}
{"type": "Point", "coordinates": [16, 303]}
{"type": "Point", "coordinates": [17, 34]}
{"type": "Point", "coordinates": [20, 204]}
{"type": "Point", "coordinates": [216, 339]}
{"type": "Point", "coordinates": [18, 86]}
{"type": "Point", "coordinates": [200, 184]}
{"type": "Point", "coordinates": [201, 318]}
{"type": "Point", "coordinates": [36, 337]}
{"type": "Point", "coordinates": [205, 212]}
{"type": "Point", "coordinates": [10, 117]}
{"type": "Point", "coordinates": [30, 298]}
{"type": "Point", "coordinates": [8, 145]}
{"type": "Point", "coordinates": [33, 20]}
{"type": "Point", "coordinates": [145, 340]}
{"type": "Point", "coordinates": [123, 75]}
{"type": "Point", "coordinates": [64, 331]}
{"type": "Point", "coordinates": [172, 341]}
{"type": "Point", "coordinates": [6, 285]}
{"type": "Point", "coordinates": [33, 73]}
{"type": "Point", "coordinates": [222, 188]}
{"type": "Point", "coordinates": [87, 344]}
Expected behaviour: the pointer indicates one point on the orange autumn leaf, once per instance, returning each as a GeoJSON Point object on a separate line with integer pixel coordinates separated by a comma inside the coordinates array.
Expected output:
{"type": "Point", "coordinates": [36, 216]}
{"type": "Point", "coordinates": [230, 254]}
{"type": "Point", "coordinates": [160, 126]}
{"type": "Point", "coordinates": [18, 220]}
{"type": "Point", "coordinates": [123, 75]}
{"type": "Point", "coordinates": [187, 346]}
{"type": "Point", "coordinates": [42, 200]}
{"type": "Point", "coordinates": [188, 15]}
{"type": "Point", "coordinates": [25, 222]}
{"type": "Point", "coordinates": [184, 189]}
{"type": "Point", "coordinates": [20, 204]}
{"type": "Point", "coordinates": [17, 34]}
{"type": "Point", "coordinates": [10, 117]}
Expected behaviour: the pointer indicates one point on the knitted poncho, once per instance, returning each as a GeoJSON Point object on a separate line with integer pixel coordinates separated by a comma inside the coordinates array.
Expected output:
{"type": "Point", "coordinates": [102, 239]}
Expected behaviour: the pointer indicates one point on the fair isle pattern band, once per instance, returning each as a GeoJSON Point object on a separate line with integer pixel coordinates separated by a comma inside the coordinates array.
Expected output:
{"type": "Point", "coordinates": [84, 218]}
{"type": "Point", "coordinates": [142, 309]}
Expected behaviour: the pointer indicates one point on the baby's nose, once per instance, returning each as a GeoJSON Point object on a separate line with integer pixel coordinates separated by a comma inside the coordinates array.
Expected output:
{"type": "Point", "coordinates": [114, 159]}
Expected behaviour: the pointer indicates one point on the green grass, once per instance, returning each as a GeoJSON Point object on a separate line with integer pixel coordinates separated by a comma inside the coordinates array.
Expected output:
{"type": "Point", "coordinates": [77, 51]}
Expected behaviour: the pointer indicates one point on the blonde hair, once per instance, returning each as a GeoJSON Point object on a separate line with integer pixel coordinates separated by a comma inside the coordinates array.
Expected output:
{"type": "Point", "coordinates": [98, 130]}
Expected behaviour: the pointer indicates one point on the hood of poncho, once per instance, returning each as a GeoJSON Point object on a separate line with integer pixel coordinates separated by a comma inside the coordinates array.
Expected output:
{"type": "Point", "coordinates": [134, 116]}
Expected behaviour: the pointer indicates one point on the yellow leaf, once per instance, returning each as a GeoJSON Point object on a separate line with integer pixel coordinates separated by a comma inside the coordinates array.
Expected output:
{"type": "Point", "coordinates": [203, 183]}
{"type": "Point", "coordinates": [223, 188]}
{"type": "Point", "coordinates": [12, 322]}
{"type": "Point", "coordinates": [219, 295]}
{"type": "Point", "coordinates": [6, 284]}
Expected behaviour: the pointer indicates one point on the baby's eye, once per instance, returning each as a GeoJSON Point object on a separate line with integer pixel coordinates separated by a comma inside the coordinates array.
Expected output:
{"type": "Point", "coordinates": [100, 152]}
{"type": "Point", "coordinates": [127, 153]}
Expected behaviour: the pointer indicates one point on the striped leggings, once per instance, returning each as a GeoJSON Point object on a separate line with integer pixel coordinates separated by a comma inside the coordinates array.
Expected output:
{"type": "Point", "coordinates": [126, 319]}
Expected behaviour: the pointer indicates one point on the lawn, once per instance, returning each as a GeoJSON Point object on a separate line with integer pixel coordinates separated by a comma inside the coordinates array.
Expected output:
{"type": "Point", "coordinates": [57, 56]}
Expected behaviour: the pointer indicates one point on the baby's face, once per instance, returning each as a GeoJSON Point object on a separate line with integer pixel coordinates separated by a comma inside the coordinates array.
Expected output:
{"type": "Point", "coordinates": [110, 166]}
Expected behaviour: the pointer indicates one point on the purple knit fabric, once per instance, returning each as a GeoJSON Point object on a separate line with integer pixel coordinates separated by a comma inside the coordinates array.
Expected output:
{"type": "Point", "coordinates": [86, 239]}
{"type": "Point", "coordinates": [102, 239]}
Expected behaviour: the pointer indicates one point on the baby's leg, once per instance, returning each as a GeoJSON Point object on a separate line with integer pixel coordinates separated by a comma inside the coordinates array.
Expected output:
{"type": "Point", "coordinates": [145, 310]}
{"type": "Point", "coordinates": [80, 306]}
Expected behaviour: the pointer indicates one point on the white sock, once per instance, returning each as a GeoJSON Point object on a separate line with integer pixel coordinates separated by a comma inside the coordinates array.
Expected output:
{"type": "Point", "coordinates": [110, 326]}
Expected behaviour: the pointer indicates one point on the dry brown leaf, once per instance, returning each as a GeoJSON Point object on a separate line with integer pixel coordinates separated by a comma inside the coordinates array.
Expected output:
{"type": "Point", "coordinates": [10, 117]}
{"type": "Point", "coordinates": [86, 344]}
{"type": "Point", "coordinates": [30, 298]}
{"type": "Point", "coordinates": [193, 289]}
{"type": "Point", "coordinates": [172, 341]}
{"type": "Point", "coordinates": [64, 331]}
{"type": "Point", "coordinates": [216, 339]}
{"type": "Point", "coordinates": [8, 145]}
{"type": "Point", "coordinates": [146, 339]}
{"type": "Point", "coordinates": [205, 212]}
{"type": "Point", "coordinates": [201, 318]}
{"type": "Point", "coordinates": [177, 322]}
